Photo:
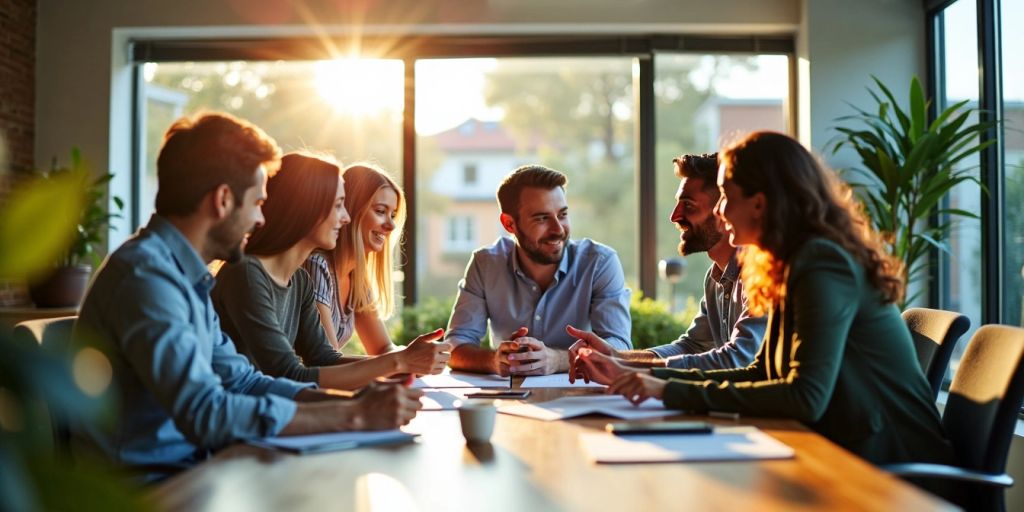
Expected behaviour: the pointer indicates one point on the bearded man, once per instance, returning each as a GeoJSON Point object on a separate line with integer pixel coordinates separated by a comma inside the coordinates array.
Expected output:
{"type": "Point", "coordinates": [531, 286]}
{"type": "Point", "coordinates": [723, 334]}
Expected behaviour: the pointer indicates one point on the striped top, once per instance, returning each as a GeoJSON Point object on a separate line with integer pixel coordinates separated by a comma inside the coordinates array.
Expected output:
{"type": "Point", "coordinates": [325, 286]}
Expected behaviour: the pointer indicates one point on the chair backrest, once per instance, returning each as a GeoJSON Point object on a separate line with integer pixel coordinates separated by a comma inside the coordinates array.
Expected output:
{"type": "Point", "coordinates": [985, 397]}
{"type": "Point", "coordinates": [48, 333]}
{"type": "Point", "coordinates": [935, 333]}
{"type": "Point", "coordinates": [52, 335]}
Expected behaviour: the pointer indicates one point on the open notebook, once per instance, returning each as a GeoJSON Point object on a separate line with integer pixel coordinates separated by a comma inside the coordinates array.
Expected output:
{"type": "Point", "coordinates": [724, 444]}
{"type": "Point", "coordinates": [335, 441]}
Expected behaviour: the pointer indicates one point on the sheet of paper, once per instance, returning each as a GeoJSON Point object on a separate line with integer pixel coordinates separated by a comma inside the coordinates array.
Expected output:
{"type": "Point", "coordinates": [316, 443]}
{"type": "Point", "coordinates": [450, 379]}
{"type": "Point", "coordinates": [725, 444]}
{"type": "Point", "coordinates": [572, 406]}
{"type": "Point", "coordinates": [444, 399]}
{"type": "Point", "coordinates": [556, 380]}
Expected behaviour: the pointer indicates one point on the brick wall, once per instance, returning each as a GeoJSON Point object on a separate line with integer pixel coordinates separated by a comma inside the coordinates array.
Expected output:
{"type": "Point", "coordinates": [17, 107]}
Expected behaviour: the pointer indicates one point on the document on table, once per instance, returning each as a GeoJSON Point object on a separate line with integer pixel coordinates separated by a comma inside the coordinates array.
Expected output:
{"type": "Point", "coordinates": [450, 379]}
{"type": "Point", "coordinates": [572, 406]}
{"type": "Point", "coordinates": [725, 444]}
{"type": "Point", "coordinates": [444, 399]}
{"type": "Point", "coordinates": [335, 441]}
{"type": "Point", "coordinates": [557, 380]}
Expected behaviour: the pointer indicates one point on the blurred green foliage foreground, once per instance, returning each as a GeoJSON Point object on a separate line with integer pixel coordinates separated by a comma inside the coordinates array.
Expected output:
{"type": "Point", "coordinates": [38, 228]}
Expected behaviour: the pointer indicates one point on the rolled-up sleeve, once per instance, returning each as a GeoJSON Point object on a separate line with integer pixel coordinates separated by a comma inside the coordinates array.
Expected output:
{"type": "Point", "coordinates": [160, 342]}
{"type": "Point", "coordinates": [468, 322]}
{"type": "Point", "coordinates": [609, 303]}
{"type": "Point", "coordinates": [738, 352]}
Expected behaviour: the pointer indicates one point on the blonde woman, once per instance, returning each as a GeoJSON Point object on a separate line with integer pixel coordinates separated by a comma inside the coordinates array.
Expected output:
{"type": "Point", "coordinates": [352, 283]}
{"type": "Point", "coordinates": [265, 301]}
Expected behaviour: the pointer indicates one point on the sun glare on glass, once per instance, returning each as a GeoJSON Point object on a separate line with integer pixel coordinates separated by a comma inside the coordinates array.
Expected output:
{"type": "Point", "coordinates": [360, 86]}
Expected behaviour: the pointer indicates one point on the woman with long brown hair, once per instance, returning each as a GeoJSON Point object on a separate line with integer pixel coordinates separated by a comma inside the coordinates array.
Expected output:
{"type": "Point", "coordinates": [265, 300]}
{"type": "Point", "coordinates": [353, 283]}
{"type": "Point", "coordinates": [837, 356]}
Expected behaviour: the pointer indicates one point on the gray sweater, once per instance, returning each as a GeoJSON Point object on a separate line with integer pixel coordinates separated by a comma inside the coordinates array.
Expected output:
{"type": "Point", "coordinates": [277, 327]}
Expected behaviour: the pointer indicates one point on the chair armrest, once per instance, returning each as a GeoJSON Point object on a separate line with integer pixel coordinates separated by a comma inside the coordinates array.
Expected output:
{"type": "Point", "coordinates": [921, 470]}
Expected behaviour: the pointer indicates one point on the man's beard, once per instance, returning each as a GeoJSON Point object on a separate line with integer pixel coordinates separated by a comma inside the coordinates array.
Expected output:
{"type": "Point", "coordinates": [700, 238]}
{"type": "Point", "coordinates": [227, 238]}
{"type": "Point", "coordinates": [534, 252]}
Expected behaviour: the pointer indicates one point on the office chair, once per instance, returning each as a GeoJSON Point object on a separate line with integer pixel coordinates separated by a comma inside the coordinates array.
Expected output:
{"type": "Point", "coordinates": [935, 333]}
{"type": "Point", "coordinates": [984, 401]}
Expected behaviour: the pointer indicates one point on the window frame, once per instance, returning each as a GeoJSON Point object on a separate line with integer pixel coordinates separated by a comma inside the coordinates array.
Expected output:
{"type": "Point", "coordinates": [410, 48]}
{"type": "Point", "coordinates": [992, 170]}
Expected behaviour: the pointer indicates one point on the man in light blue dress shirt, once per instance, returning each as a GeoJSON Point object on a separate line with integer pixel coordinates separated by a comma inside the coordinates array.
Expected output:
{"type": "Point", "coordinates": [530, 287]}
{"type": "Point", "coordinates": [723, 334]}
{"type": "Point", "coordinates": [182, 390]}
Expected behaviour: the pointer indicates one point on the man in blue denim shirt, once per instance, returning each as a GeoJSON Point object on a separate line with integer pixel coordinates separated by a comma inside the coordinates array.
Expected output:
{"type": "Point", "coordinates": [531, 287]}
{"type": "Point", "coordinates": [723, 334]}
{"type": "Point", "coordinates": [182, 389]}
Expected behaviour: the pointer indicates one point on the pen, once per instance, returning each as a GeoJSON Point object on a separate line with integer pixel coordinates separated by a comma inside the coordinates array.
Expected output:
{"type": "Point", "coordinates": [735, 416]}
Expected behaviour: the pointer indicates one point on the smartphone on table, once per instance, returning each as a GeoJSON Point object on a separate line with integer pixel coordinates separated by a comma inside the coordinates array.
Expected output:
{"type": "Point", "coordinates": [664, 427]}
{"type": "Point", "coordinates": [499, 393]}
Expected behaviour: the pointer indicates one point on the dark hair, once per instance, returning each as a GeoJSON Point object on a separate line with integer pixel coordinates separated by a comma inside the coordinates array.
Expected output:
{"type": "Point", "coordinates": [299, 197]}
{"type": "Point", "coordinates": [702, 167]}
{"type": "Point", "coordinates": [523, 177]}
{"type": "Point", "coordinates": [205, 151]}
{"type": "Point", "coordinates": [803, 200]}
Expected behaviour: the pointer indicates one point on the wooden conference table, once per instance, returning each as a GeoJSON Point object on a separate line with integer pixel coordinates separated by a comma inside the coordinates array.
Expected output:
{"type": "Point", "coordinates": [533, 466]}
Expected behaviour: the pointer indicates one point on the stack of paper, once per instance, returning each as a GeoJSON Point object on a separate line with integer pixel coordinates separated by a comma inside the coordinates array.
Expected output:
{"type": "Point", "coordinates": [557, 380]}
{"type": "Point", "coordinates": [572, 406]}
{"type": "Point", "coordinates": [335, 441]}
{"type": "Point", "coordinates": [726, 443]}
{"type": "Point", "coordinates": [450, 379]}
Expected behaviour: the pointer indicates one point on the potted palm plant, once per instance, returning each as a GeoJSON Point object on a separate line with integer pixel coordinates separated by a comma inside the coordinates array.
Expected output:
{"type": "Point", "coordinates": [65, 283]}
{"type": "Point", "coordinates": [908, 165]}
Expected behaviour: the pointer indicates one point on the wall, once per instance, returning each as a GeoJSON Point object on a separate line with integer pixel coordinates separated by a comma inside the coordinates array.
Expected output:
{"type": "Point", "coordinates": [17, 82]}
{"type": "Point", "coordinates": [17, 108]}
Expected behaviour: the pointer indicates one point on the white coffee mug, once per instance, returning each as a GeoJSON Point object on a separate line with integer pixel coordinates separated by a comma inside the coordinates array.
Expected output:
{"type": "Point", "coordinates": [477, 419]}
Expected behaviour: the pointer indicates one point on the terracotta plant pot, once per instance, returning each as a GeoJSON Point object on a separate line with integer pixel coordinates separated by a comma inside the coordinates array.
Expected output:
{"type": "Point", "coordinates": [64, 288]}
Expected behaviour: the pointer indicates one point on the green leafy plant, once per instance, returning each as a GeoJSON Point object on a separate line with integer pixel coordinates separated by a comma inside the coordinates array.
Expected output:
{"type": "Point", "coordinates": [908, 166]}
{"type": "Point", "coordinates": [94, 217]}
{"type": "Point", "coordinates": [654, 324]}
{"type": "Point", "coordinates": [431, 313]}
{"type": "Point", "coordinates": [41, 383]}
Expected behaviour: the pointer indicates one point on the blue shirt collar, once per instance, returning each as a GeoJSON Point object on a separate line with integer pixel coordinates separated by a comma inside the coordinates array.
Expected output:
{"type": "Point", "coordinates": [563, 265]}
{"type": "Point", "coordinates": [188, 260]}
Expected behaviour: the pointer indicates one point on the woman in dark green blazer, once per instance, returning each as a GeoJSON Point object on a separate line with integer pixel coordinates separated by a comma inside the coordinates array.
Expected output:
{"type": "Point", "coordinates": [837, 356]}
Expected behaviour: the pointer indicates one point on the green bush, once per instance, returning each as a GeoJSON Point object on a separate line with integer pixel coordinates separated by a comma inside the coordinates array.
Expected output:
{"type": "Point", "coordinates": [430, 314]}
{"type": "Point", "coordinates": [653, 323]}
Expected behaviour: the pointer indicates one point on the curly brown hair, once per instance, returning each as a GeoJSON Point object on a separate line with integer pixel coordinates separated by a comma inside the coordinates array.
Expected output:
{"type": "Point", "coordinates": [804, 199]}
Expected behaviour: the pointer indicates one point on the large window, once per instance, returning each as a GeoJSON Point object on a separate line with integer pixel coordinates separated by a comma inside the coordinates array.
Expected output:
{"type": "Point", "coordinates": [1012, 18]}
{"type": "Point", "coordinates": [351, 109]}
{"type": "Point", "coordinates": [975, 49]}
{"type": "Point", "coordinates": [704, 101]}
{"type": "Point", "coordinates": [449, 116]}
{"type": "Point", "coordinates": [961, 284]}
{"type": "Point", "coordinates": [574, 115]}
